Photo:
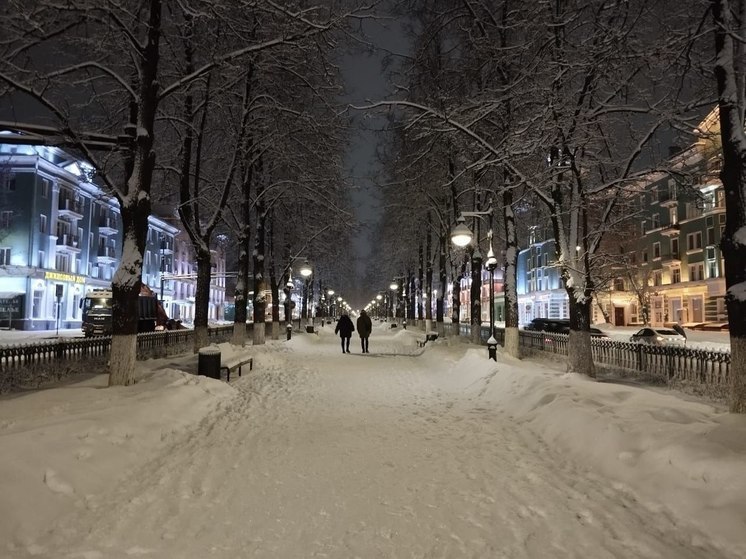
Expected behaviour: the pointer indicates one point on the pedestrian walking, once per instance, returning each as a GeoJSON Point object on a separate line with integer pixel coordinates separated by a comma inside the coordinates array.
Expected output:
{"type": "Point", "coordinates": [364, 328]}
{"type": "Point", "coordinates": [345, 328]}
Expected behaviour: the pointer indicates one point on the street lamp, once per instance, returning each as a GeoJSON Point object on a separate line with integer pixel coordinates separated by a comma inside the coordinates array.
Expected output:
{"type": "Point", "coordinates": [462, 236]}
{"type": "Point", "coordinates": [491, 264]}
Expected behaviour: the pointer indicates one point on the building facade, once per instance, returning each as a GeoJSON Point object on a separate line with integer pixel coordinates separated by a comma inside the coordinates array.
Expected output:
{"type": "Point", "coordinates": [61, 237]}
{"type": "Point", "coordinates": [674, 269]}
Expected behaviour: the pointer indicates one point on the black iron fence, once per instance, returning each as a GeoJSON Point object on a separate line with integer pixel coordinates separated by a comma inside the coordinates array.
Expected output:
{"type": "Point", "coordinates": [696, 370]}
{"type": "Point", "coordinates": [30, 365]}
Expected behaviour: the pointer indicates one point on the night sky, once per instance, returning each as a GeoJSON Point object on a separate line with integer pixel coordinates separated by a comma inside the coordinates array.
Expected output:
{"type": "Point", "coordinates": [366, 81]}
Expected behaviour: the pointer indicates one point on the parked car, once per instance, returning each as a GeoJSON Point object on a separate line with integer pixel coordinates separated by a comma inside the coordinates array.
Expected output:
{"type": "Point", "coordinates": [553, 325]}
{"type": "Point", "coordinates": [560, 326]}
{"type": "Point", "coordinates": [658, 336]}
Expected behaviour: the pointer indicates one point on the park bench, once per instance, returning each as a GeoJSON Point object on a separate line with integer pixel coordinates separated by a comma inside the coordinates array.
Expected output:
{"type": "Point", "coordinates": [234, 363]}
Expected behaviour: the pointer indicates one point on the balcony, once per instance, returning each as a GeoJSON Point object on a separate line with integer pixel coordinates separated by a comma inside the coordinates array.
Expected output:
{"type": "Point", "coordinates": [166, 246]}
{"type": "Point", "coordinates": [67, 242]}
{"type": "Point", "coordinates": [107, 226]}
{"type": "Point", "coordinates": [669, 200]}
{"type": "Point", "coordinates": [70, 208]}
{"type": "Point", "coordinates": [671, 229]}
{"type": "Point", "coordinates": [672, 258]}
{"type": "Point", "coordinates": [107, 255]}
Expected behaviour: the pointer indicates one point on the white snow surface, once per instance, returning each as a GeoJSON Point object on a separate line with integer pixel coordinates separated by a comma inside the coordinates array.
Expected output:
{"type": "Point", "coordinates": [403, 452]}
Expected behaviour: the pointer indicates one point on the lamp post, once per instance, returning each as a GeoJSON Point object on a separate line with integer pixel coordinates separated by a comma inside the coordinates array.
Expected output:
{"type": "Point", "coordinates": [163, 264]}
{"type": "Point", "coordinates": [306, 272]}
{"type": "Point", "coordinates": [491, 264]}
{"type": "Point", "coordinates": [462, 236]}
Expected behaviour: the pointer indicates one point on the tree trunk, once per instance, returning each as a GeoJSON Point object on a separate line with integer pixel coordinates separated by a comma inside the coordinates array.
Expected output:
{"type": "Point", "coordinates": [440, 304]}
{"type": "Point", "coordinates": [260, 300]}
{"type": "Point", "coordinates": [241, 299]}
{"type": "Point", "coordinates": [135, 209]}
{"type": "Point", "coordinates": [510, 280]}
{"type": "Point", "coordinates": [579, 357]}
{"type": "Point", "coordinates": [126, 295]}
{"type": "Point", "coordinates": [730, 47]}
{"type": "Point", "coordinates": [202, 298]}
{"type": "Point", "coordinates": [420, 290]}
{"type": "Point", "coordinates": [476, 296]}
{"type": "Point", "coordinates": [428, 279]}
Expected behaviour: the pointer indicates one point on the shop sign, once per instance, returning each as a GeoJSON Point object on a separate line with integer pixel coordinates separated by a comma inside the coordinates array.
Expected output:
{"type": "Point", "coordinates": [12, 306]}
{"type": "Point", "coordinates": [60, 276]}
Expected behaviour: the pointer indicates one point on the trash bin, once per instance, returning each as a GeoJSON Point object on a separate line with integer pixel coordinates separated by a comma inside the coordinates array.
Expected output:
{"type": "Point", "coordinates": [310, 329]}
{"type": "Point", "coordinates": [289, 329]}
{"type": "Point", "coordinates": [209, 362]}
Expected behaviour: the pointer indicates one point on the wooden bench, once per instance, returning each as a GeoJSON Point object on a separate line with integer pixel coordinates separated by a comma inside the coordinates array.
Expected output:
{"type": "Point", "coordinates": [237, 364]}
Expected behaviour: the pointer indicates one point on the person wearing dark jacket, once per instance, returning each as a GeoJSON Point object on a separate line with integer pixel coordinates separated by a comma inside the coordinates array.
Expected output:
{"type": "Point", "coordinates": [345, 328]}
{"type": "Point", "coordinates": [364, 327]}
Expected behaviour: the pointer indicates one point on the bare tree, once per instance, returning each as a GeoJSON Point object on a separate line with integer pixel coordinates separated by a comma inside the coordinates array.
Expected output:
{"type": "Point", "coordinates": [729, 17]}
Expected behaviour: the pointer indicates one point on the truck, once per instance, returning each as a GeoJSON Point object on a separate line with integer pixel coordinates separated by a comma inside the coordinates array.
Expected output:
{"type": "Point", "coordinates": [98, 307]}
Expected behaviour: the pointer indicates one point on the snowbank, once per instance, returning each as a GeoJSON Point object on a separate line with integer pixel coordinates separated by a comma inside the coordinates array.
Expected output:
{"type": "Point", "coordinates": [78, 439]}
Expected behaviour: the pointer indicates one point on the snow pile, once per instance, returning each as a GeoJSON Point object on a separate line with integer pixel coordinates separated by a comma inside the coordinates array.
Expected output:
{"type": "Point", "coordinates": [657, 446]}
{"type": "Point", "coordinates": [76, 441]}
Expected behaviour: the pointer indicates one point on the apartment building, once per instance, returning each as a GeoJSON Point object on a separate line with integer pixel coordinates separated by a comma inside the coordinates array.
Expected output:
{"type": "Point", "coordinates": [61, 237]}
{"type": "Point", "coordinates": [674, 269]}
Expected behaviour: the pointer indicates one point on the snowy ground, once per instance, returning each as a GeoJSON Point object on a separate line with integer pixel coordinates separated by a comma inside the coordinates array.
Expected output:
{"type": "Point", "coordinates": [403, 452]}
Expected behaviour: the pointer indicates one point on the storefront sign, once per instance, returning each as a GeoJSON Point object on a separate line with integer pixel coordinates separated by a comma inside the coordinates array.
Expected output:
{"type": "Point", "coordinates": [11, 306]}
{"type": "Point", "coordinates": [60, 276]}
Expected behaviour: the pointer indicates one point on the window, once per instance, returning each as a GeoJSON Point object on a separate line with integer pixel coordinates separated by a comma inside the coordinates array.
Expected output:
{"type": "Point", "coordinates": [656, 250]}
{"type": "Point", "coordinates": [694, 241]}
{"type": "Point", "coordinates": [657, 278]}
{"type": "Point", "coordinates": [44, 188]}
{"type": "Point", "coordinates": [710, 235]}
{"type": "Point", "coordinates": [43, 224]}
{"type": "Point", "coordinates": [673, 216]}
{"type": "Point", "coordinates": [62, 263]}
{"type": "Point", "coordinates": [671, 189]}
{"type": "Point", "coordinates": [4, 256]}
{"type": "Point", "coordinates": [676, 275]}
{"type": "Point", "coordinates": [691, 210]}
{"type": "Point", "coordinates": [696, 272]}
{"type": "Point", "coordinates": [644, 227]}
{"type": "Point", "coordinates": [6, 219]}
{"type": "Point", "coordinates": [545, 258]}
{"type": "Point", "coordinates": [654, 194]}
{"type": "Point", "coordinates": [655, 221]}
{"type": "Point", "coordinates": [720, 198]}
{"type": "Point", "coordinates": [645, 255]}
{"type": "Point", "coordinates": [618, 284]}
{"type": "Point", "coordinates": [36, 306]}
{"type": "Point", "coordinates": [8, 183]}
{"type": "Point", "coordinates": [42, 260]}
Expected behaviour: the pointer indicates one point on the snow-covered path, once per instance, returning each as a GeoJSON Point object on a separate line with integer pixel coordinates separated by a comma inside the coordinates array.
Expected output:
{"type": "Point", "coordinates": [390, 455]}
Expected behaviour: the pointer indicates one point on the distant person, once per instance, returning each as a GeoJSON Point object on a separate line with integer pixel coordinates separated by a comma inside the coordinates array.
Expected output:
{"type": "Point", "coordinates": [364, 328]}
{"type": "Point", "coordinates": [345, 328]}
{"type": "Point", "coordinates": [679, 329]}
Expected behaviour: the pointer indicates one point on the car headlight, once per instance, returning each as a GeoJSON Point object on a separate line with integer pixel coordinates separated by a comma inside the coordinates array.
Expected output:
{"type": "Point", "coordinates": [659, 338]}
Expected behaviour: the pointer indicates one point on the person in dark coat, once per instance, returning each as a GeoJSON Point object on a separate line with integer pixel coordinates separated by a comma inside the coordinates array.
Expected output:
{"type": "Point", "coordinates": [345, 328]}
{"type": "Point", "coordinates": [364, 327]}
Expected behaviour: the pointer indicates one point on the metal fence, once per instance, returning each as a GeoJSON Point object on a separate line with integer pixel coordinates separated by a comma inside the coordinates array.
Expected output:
{"type": "Point", "coordinates": [696, 370]}
{"type": "Point", "coordinates": [30, 365]}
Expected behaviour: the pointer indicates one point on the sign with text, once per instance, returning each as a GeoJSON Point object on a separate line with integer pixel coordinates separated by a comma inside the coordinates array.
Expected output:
{"type": "Point", "coordinates": [61, 276]}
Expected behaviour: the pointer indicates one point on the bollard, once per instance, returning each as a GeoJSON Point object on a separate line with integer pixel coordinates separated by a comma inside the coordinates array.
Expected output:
{"type": "Point", "coordinates": [492, 349]}
{"type": "Point", "coordinates": [289, 329]}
